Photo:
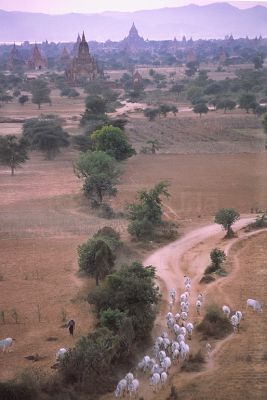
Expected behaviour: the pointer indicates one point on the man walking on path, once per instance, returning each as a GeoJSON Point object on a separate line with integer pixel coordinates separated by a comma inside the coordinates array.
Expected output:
{"type": "Point", "coordinates": [71, 326]}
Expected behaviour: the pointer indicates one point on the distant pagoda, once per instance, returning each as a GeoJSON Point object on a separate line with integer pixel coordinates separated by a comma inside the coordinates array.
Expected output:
{"type": "Point", "coordinates": [36, 61]}
{"type": "Point", "coordinates": [133, 42]}
{"type": "Point", "coordinates": [15, 59]}
{"type": "Point", "coordinates": [83, 65]}
{"type": "Point", "coordinates": [65, 57]}
{"type": "Point", "coordinates": [75, 49]}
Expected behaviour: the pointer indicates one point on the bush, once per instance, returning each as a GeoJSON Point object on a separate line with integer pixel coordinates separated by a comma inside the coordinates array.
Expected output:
{"type": "Point", "coordinates": [89, 363]}
{"type": "Point", "coordinates": [194, 363]}
{"type": "Point", "coordinates": [110, 236]}
{"type": "Point", "coordinates": [210, 269]}
{"type": "Point", "coordinates": [260, 222]}
{"type": "Point", "coordinates": [12, 390]}
{"type": "Point", "coordinates": [215, 324]}
{"type": "Point", "coordinates": [207, 279]}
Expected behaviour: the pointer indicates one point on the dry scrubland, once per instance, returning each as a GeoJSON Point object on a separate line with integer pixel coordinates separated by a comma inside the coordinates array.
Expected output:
{"type": "Point", "coordinates": [44, 218]}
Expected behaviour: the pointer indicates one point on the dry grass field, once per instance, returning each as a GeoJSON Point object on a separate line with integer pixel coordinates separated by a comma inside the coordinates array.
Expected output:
{"type": "Point", "coordinates": [211, 162]}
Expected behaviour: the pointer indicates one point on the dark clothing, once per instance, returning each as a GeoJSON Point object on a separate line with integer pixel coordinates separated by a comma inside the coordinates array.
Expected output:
{"type": "Point", "coordinates": [71, 326]}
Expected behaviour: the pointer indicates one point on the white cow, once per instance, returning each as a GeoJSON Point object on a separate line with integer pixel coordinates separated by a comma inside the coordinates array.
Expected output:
{"type": "Point", "coordinates": [184, 316]}
{"type": "Point", "coordinates": [235, 323]}
{"type": "Point", "coordinates": [187, 280]}
{"type": "Point", "coordinates": [133, 388]}
{"type": "Point", "coordinates": [189, 328]}
{"type": "Point", "coordinates": [166, 364]}
{"type": "Point", "coordinates": [173, 294]}
{"type": "Point", "coordinates": [226, 310]}
{"type": "Point", "coordinates": [177, 317]}
{"type": "Point", "coordinates": [254, 304]}
{"type": "Point", "coordinates": [163, 378]}
{"type": "Point", "coordinates": [239, 315]}
{"type": "Point", "coordinates": [121, 388]}
{"type": "Point", "coordinates": [155, 381]}
{"type": "Point", "coordinates": [61, 354]}
{"type": "Point", "coordinates": [184, 352]}
{"type": "Point", "coordinates": [129, 377]}
{"type": "Point", "coordinates": [6, 343]}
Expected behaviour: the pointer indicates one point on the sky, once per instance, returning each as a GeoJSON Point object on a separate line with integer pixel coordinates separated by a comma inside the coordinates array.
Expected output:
{"type": "Point", "coordinates": [96, 6]}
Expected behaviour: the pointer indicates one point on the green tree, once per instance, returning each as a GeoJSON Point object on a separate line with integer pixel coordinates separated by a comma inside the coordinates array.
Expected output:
{"type": "Point", "coordinates": [164, 109]}
{"type": "Point", "coordinates": [200, 108]}
{"type": "Point", "coordinates": [226, 104]}
{"type": "Point", "coordinates": [264, 122]}
{"type": "Point", "coordinates": [45, 135]}
{"type": "Point", "coordinates": [23, 99]}
{"type": "Point", "coordinates": [247, 101]}
{"type": "Point", "coordinates": [96, 258]}
{"type": "Point", "coordinates": [13, 151]}
{"type": "Point", "coordinates": [154, 145]}
{"type": "Point", "coordinates": [258, 61]}
{"type": "Point", "coordinates": [91, 362]}
{"type": "Point", "coordinates": [146, 214]}
{"type": "Point", "coordinates": [226, 217]}
{"type": "Point", "coordinates": [40, 92]}
{"type": "Point", "coordinates": [217, 257]}
{"type": "Point", "coordinates": [113, 141]}
{"type": "Point", "coordinates": [112, 319]}
{"type": "Point", "coordinates": [100, 173]}
{"type": "Point", "coordinates": [132, 290]}
{"type": "Point", "coordinates": [96, 104]}
{"type": "Point", "coordinates": [151, 113]}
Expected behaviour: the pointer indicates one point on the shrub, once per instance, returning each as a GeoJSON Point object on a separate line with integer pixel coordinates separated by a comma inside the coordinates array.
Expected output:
{"type": "Point", "coordinates": [207, 279]}
{"type": "Point", "coordinates": [194, 363]}
{"type": "Point", "coordinates": [12, 390]}
{"type": "Point", "coordinates": [260, 222]}
{"type": "Point", "coordinates": [110, 235]}
{"type": "Point", "coordinates": [210, 269]}
{"type": "Point", "coordinates": [215, 324]}
{"type": "Point", "coordinates": [89, 362]}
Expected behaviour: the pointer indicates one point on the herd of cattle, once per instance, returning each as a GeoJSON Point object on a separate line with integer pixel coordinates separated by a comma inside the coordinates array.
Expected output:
{"type": "Point", "coordinates": [170, 347]}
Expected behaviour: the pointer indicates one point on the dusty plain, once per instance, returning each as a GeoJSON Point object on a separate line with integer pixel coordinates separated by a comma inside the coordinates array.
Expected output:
{"type": "Point", "coordinates": [43, 218]}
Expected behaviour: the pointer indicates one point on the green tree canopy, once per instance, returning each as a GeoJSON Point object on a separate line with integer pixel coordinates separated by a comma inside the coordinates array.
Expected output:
{"type": "Point", "coordinates": [226, 217]}
{"type": "Point", "coordinates": [226, 104]}
{"type": "Point", "coordinates": [217, 257]}
{"type": "Point", "coordinates": [200, 108]}
{"type": "Point", "coordinates": [113, 141]}
{"type": "Point", "coordinates": [96, 104]}
{"type": "Point", "coordinates": [154, 145]}
{"type": "Point", "coordinates": [96, 258]}
{"type": "Point", "coordinates": [13, 151]}
{"type": "Point", "coordinates": [265, 122]}
{"type": "Point", "coordinates": [132, 290]}
{"type": "Point", "coordinates": [247, 101]}
{"type": "Point", "coordinates": [45, 135]}
{"type": "Point", "coordinates": [23, 99]}
{"type": "Point", "coordinates": [100, 173]}
{"type": "Point", "coordinates": [40, 92]}
{"type": "Point", "coordinates": [146, 214]}
{"type": "Point", "coordinates": [151, 113]}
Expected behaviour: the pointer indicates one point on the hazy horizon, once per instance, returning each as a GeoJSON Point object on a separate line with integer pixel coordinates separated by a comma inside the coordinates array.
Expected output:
{"type": "Point", "coordinates": [80, 6]}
